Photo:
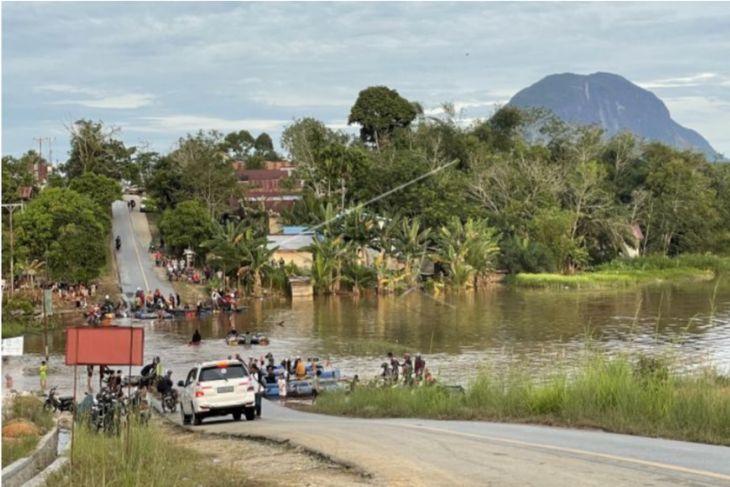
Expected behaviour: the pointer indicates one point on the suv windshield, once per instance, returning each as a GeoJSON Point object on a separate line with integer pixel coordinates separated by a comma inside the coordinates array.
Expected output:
{"type": "Point", "coordinates": [234, 371]}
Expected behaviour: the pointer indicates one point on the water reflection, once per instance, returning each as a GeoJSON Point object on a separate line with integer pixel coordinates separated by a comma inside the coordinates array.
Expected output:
{"type": "Point", "coordinates": [455, 332]}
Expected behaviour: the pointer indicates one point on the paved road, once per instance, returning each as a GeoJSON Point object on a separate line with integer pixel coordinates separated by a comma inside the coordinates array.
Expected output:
{"type": "Point", "coordinates": [136, 266]}
{"type": "Point", "coordinates": [412, 452]}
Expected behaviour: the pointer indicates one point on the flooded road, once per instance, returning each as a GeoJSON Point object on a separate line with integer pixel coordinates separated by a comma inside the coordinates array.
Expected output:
{"type": "Point", "coordinates": [454, 332]}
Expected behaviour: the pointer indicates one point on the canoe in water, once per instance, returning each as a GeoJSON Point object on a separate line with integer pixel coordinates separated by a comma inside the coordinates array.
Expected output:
{"type": "Point", "coordinates": [151, 316]}
{"type": "Point", "coordinates": [256, 339]}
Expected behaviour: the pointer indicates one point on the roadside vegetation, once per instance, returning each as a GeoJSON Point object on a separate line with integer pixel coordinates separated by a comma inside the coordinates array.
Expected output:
{"type": "Point", "coordinates": [24, 422]}
{"type": "Point", "coordinates": [639, 395]}
{"type": "Point", "coordinates": [151, 460]}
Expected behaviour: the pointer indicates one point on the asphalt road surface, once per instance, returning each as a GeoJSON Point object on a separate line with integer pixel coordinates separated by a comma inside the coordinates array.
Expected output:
{"type": "Point", "coordinates": [136, 264]}
{"type": "Point", "coordinates": [413, 452]}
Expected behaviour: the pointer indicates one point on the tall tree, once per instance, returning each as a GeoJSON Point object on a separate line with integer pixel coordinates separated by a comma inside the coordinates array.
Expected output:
{"type": "Point", "coordinates": [95, 148]}
{"type": "Point", "coordinates": [101, 190]}
{"type": "Point", "coordinates": [17, 173]}
{"type": "Point", "coordinates": [205, 174]}
{"type": "Point", "coordinates": [188, 225]}
{"type": "Point", "coordinates": [62, 228]}
{"type": "Point", "coordinates": [380, 111]}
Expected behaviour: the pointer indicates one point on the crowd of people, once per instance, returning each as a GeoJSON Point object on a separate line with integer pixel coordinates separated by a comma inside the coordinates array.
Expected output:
{"type": "Point", "coordinates": [412, 371]}
{"type": "Point", "coordinates": [179, 270]}
{"type": "Point", "coordinates": [156, 301]}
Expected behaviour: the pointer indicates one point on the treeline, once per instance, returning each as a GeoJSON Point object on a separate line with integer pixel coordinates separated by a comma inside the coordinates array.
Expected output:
{"type": "Point", "coordinates": [561, 198]}
{"type": "Point", "coordinates": [519, 191]}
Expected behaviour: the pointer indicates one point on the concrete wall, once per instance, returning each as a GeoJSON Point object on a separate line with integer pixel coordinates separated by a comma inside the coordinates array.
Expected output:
{"type": "Point", "coordinates": [21, 471]}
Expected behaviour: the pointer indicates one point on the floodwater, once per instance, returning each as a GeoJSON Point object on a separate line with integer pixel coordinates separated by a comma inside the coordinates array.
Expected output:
{"type": "Point", "coordinates": [454, 332]}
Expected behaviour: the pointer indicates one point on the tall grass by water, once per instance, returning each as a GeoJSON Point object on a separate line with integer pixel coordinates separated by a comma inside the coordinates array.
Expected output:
{"type": "Point", "coordinates": [639, 270]}
{"type": "Point", "coordinates": [151, 461]}
{"type": "Point", "coordinates": [637, 395]}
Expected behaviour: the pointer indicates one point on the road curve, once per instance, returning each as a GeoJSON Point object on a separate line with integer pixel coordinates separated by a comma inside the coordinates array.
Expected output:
{"type": "Point", "coordinates": [136, 265]}
{"type": "Point", "coordinates": [414, 452]}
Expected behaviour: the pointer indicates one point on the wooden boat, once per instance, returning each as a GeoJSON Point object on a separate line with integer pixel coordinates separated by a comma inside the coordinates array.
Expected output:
{"type": "Point", "coordinates": [256, 339]}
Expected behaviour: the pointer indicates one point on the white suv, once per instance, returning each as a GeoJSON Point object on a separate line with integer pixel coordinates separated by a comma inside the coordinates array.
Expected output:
{"type": "Point", "coordinates": [217, 389]}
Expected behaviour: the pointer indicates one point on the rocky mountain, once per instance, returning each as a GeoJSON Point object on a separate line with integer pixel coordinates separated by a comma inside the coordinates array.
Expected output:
{"type": "Point", "coordinates": [612, 102]}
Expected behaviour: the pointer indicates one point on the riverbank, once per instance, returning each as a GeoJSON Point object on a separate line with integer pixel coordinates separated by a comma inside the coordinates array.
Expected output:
{"type": "Point", "coordinates": [623, 394]}
{"type": "Point", "coordinates": [629, 272]}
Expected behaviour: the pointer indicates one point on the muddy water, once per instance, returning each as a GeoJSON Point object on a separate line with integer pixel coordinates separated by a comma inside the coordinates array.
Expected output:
{"type": "Point", "coordinates": [454, 332]}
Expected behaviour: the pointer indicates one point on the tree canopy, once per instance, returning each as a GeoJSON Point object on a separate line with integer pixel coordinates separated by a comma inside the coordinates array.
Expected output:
{"type": "Point", "coordinates": [61, 227]}
{"type": "Point", "coordinates": [380, 111]}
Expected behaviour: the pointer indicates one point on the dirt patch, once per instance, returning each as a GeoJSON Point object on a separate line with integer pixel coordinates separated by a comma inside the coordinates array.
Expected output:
{"type": "Point", "coordinates": [269, 463]}
{"type": "Point", "coordinates": [20, 427]}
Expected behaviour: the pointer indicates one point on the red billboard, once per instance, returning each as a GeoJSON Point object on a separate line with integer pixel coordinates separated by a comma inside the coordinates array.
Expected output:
{"type": "Point", "coordinates": [110, 345]}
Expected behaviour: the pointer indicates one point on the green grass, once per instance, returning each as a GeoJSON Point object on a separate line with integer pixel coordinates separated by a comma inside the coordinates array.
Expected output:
{"type": "Point", "coordinates": [31, 409]}
{"type": "Point", "coordinates": [619, 394]}
{"type": "Point", "coordinates": [16, 448]}
{"type": "Point", "coordinates": [152, 461]}
{"type": "Point", "coordinates": [628, 272]}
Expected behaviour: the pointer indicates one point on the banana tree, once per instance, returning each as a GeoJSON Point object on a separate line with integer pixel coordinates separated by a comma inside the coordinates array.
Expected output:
{"type": "Point", "coordinates": [410, 245]}
{"type": "Point", "coordinates": [256, 258]}
{"type": "Point", "coordinates": [223, 249]}
{"type": "Point", "coordinates": [328, 256]}
{"type": "Point", "coordinates": [467, 250]}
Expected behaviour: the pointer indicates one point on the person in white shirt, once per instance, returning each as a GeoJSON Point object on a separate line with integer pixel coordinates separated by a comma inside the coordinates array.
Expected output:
{"type": "Point", "coordinates": [282, 389]}
{"type": "Point", "coordinates": [258, 387]}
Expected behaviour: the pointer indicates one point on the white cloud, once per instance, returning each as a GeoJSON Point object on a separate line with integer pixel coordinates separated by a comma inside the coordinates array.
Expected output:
{"type": "Point", "coordinates": [122, 102]}
{"type": "Point", "coordinates": [61, 88]}
{"type": "Point", "coordinates": [465, 106]}
{"type": "Point", "coordinates": [686, 81]}
{"type": "Point", "coordinates": [98, 98]}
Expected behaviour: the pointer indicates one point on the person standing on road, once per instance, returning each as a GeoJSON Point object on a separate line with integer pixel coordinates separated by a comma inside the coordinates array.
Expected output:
{"type": "Point", "coordinates": [282, 388]}
{"type": "Point", "coordinates": [43, 372]}
{"type": "Point", "coordinates": [89, 376]}
{"type": "Point", "coordinates": [258, 387]}
{"type": "Point", "coordinates": [315, 386]}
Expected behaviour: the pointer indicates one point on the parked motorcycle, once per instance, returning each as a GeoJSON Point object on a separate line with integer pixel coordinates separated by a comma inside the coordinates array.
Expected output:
{"type": "Point", "coordinates": [169, 402]}
{"type": "Point", "coordinates": [63, 403]}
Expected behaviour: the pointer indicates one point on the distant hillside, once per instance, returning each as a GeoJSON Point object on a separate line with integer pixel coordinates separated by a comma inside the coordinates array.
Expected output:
{"type": "Point", "coordinates": [612, 102]}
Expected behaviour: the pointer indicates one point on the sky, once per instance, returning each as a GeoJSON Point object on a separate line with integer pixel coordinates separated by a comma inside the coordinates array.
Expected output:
{"type": "Point", "coordinates": [159, 70]}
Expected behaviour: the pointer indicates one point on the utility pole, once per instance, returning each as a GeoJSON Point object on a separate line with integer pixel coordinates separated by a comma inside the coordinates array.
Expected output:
{"type": "Point", "coordinates": [11, 209]}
